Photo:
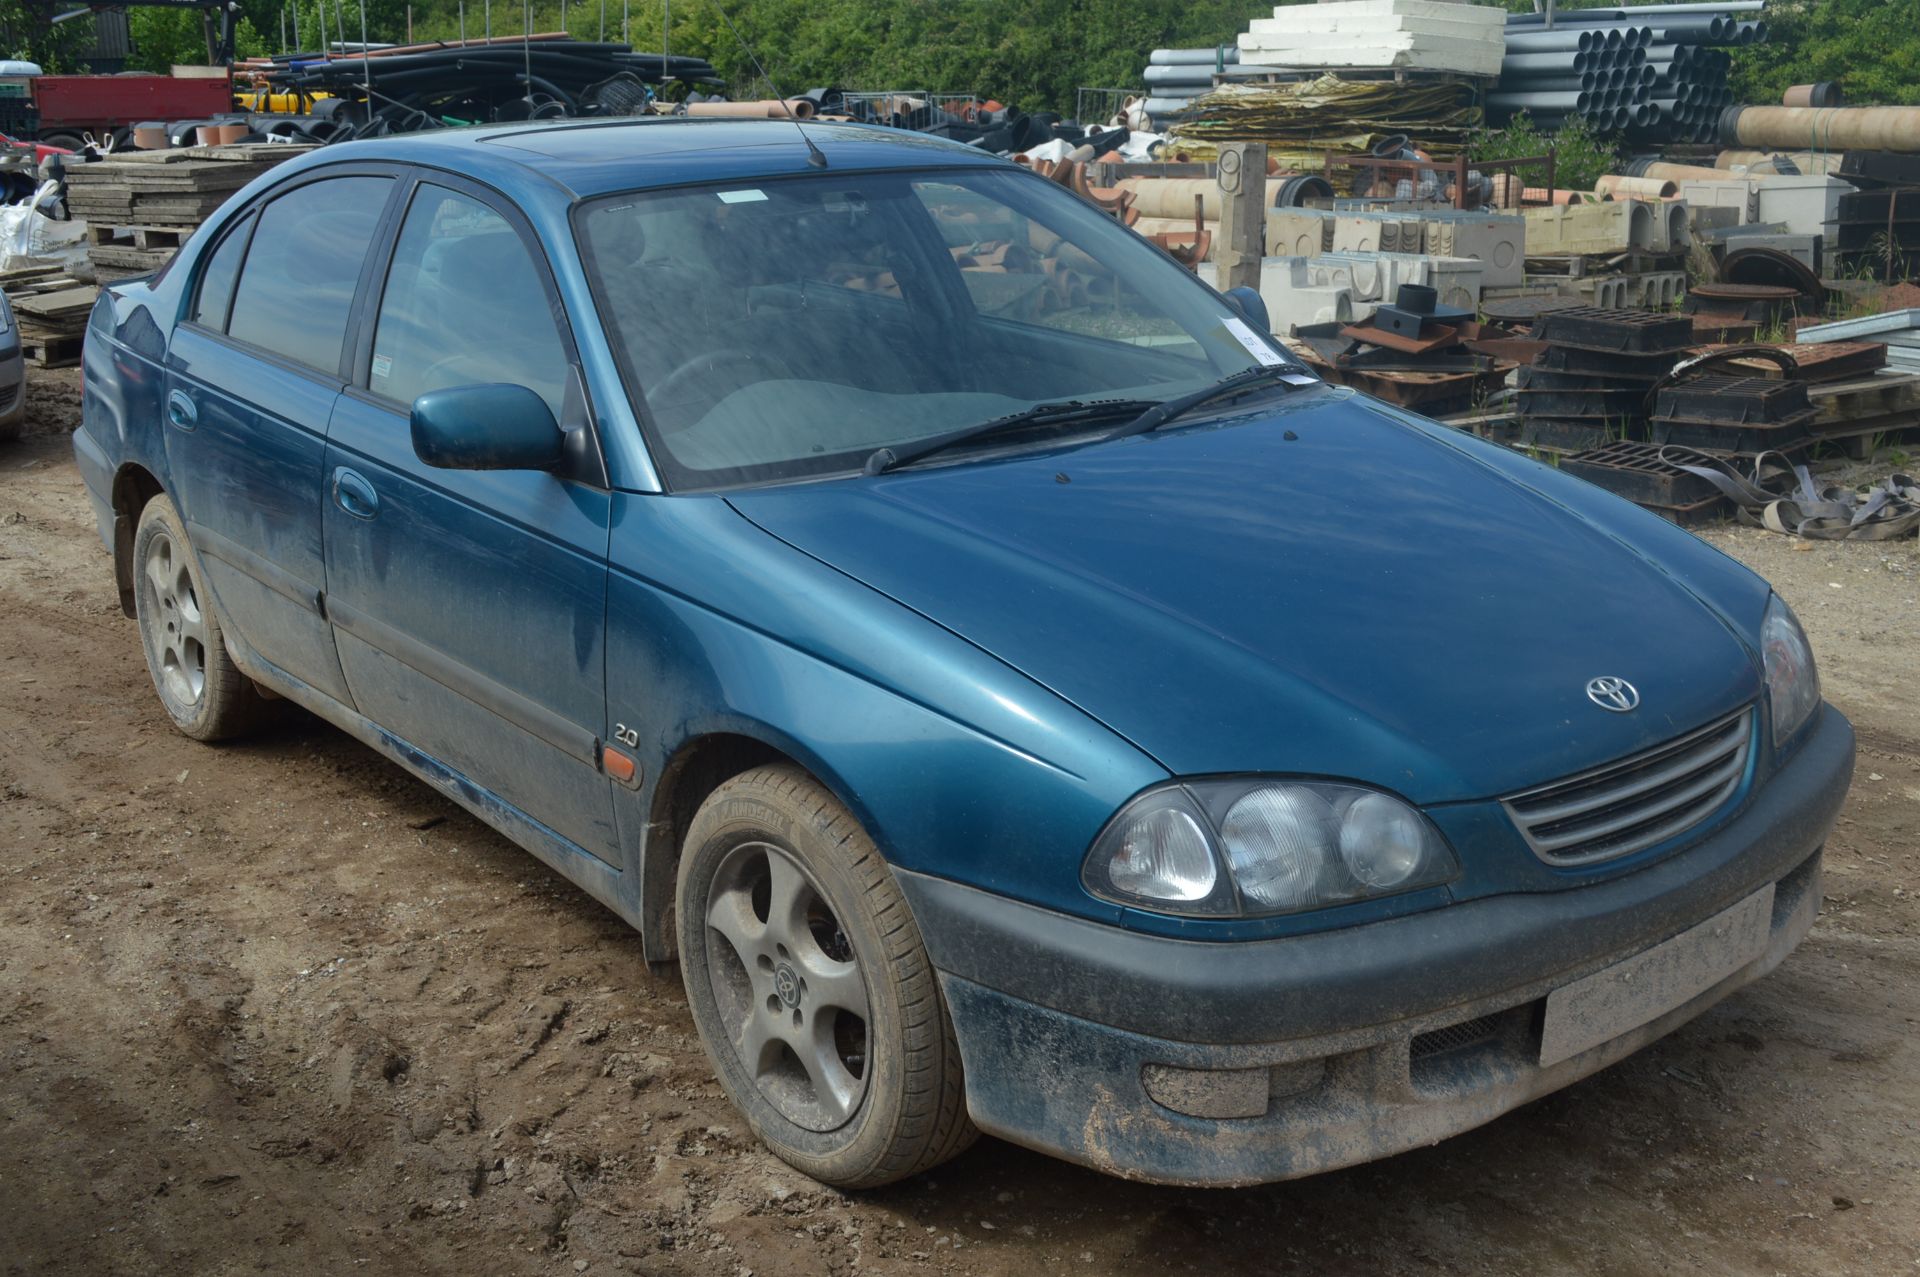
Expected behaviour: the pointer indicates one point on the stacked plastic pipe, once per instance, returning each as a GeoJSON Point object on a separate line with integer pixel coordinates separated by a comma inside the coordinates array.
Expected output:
{"type": "Point", "coordinates": [1175, 77]}
{"type": "Point", "coordinates": [1657, 73]}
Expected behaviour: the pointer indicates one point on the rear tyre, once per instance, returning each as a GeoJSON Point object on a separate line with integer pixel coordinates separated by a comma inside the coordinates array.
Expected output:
{"type": "Point", "coordinates": [202, 690]}
{"type": "Point", "coordinates": [810, 986]}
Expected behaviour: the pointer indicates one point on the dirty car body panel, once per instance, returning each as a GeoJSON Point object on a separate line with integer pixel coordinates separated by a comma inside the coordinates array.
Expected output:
{"type": "Point", "coordinates": [1294, 614]}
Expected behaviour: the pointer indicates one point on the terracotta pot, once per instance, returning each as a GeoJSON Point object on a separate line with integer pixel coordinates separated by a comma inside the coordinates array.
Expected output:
{"type": "Point", "coordinates": [150, 137]}
{"type": "Point", "coordinates": [231, 133]}
{"type": "Point", "coordinates": [207, 135]}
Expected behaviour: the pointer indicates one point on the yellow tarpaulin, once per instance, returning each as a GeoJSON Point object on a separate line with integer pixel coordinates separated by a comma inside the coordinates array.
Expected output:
{"type": "Point", "coordinates": [1299, 122]}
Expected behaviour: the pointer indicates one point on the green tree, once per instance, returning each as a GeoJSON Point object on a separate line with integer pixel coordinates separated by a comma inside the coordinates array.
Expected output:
{"type": "Point", "coordinates": [1871, 48]}
{"type": "Point", "coordinates": [27, 36]}
{"type": "Point", "coordinates": [164, 38]}
{"type": "Point", "coordinates": [1580, 156]}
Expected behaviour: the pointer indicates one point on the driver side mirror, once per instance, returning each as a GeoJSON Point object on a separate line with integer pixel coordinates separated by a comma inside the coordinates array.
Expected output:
{"type": "Point", "coordinates": [488, 427]}
{"type": "Point", "coordinates": [1252, 307]}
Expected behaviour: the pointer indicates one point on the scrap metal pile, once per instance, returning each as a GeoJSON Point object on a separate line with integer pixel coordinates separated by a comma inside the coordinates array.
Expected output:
{"type": "Point", "coordinates": [407, 89]}
{"type": "Point", "coordinates": [982, 123]}
{"type": "Point", "coordinates": [1417, 352]}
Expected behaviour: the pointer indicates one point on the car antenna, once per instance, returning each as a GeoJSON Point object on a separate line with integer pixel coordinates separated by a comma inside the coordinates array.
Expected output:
{"type": "Point", "coordinates": [815, 156]}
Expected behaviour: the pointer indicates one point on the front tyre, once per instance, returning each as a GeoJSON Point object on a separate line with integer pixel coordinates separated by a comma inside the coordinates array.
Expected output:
{"type": "Point", "coordinates": [810, 986]}
{"type": "Point", "coordinates": [203, 692]}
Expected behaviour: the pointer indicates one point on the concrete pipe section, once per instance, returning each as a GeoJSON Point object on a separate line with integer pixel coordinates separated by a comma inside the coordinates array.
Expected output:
{"type": "Point", "coordinates": [1844, 128]}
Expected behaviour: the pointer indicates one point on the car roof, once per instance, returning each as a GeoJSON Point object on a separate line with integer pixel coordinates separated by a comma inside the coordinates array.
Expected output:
{"type": "Point", "coordinates": [596, 157]}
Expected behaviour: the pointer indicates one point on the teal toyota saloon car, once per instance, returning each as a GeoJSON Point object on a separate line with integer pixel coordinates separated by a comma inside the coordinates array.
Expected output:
{"type": "Point", "coordinates": [1020, 697]}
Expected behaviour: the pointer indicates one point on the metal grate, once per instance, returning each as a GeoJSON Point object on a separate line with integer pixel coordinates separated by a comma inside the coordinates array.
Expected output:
{"type": "Point", "coordinates": [1633, 804]}
{"type": "Point", "coordinates": [1455, 1036]}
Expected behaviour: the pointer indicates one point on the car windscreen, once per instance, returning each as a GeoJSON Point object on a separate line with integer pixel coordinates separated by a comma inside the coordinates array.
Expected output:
{"type": "Point", "coordinates": [788, 328]}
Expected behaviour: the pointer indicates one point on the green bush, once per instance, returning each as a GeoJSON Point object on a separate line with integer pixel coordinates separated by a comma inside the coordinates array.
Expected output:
{"type": "Point", "coordinates": [1581, 156]}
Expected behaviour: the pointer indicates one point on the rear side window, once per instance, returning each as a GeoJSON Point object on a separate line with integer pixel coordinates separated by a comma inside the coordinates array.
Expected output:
{"type": "Point", "coordinates": [297, 285]}
{"type": "Point", "coordinates": [216, 282]}
{"type": "Point", "coordinates": [464, 305]}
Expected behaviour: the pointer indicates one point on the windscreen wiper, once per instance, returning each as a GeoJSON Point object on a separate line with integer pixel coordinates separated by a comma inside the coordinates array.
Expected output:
{"type": "Point", "coordinates": [1071, 410]}
{"type": "Point", "coordinates": [1238, 383]}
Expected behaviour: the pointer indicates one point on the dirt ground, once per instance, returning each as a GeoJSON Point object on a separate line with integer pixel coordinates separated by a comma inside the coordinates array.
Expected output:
{"type": "Point", "coordinates": [278, 1007]}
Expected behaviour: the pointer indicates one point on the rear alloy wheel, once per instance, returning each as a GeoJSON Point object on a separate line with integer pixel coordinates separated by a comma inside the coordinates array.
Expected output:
{"type": "Point", "coordinates": [810, 986]}
{"type": "Point", "coordinates": [203, 692]}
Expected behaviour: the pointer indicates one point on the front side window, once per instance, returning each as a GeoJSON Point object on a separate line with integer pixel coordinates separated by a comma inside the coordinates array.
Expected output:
{"type": "Point", "coordinates": [296, 287]}
{"type": "Point", "coordinates": [789, 328]}
{"type": "Point", "coordinates": [464, 304]}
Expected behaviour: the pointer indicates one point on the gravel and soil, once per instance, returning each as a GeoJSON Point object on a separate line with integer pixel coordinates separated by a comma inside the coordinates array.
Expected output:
{"type": "Point", "coordinates": [276, 1007]}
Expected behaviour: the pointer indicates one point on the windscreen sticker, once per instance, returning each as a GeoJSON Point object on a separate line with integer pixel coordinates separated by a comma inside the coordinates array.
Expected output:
{"type": "Point", "coordinates": [1256, 347]}
{"type": "Point", "coordinates": [741, 197]}
{"type": "Point", "coordinates": [383, 365]}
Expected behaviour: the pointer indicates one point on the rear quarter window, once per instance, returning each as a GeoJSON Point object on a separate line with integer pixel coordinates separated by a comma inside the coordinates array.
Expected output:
{"type": "Point", "coordinates": [215, 293]}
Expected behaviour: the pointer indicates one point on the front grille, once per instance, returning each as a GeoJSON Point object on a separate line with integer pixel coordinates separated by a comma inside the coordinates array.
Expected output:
{"type": "Point", "coordinates": [1633, 804]}
{"type": "Point", "coordinates": [7, 396]}
{"type": "Point", "coordinates": [1468, 1033]}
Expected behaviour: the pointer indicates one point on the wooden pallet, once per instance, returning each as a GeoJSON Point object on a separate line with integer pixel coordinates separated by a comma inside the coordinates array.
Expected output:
{"type": "Point", "coordinates": [51, 352]}
{"type": "Point", "coordinates": [1861, 438]}
{"type": "Point", "coordinates": [142, 237]}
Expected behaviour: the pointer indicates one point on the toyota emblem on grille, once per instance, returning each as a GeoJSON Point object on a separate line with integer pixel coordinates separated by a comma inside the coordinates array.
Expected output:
{"type": "Point", "coordinates": [1612, 693]}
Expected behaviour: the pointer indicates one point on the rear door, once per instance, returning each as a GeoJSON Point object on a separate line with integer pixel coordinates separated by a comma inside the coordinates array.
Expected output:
{"type": "Point", "coordinates": [470, 606]}
{"type": "Point", "coordinates": [252, 375]}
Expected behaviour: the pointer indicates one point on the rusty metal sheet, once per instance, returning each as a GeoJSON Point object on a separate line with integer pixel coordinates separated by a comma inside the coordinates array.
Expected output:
{"type": "Point", "coordinates": [1645, 987]}
{"type": "Point", "coordinates": [1440, 337]}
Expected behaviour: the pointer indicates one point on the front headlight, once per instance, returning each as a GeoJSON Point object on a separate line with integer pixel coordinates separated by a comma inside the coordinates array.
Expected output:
{"type": "Point", "coordinates": [1793, 684]}
{"type": "Point", "coordinates": [1253, 847]}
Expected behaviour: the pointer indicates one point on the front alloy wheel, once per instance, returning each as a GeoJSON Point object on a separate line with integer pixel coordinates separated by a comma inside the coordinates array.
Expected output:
{"type": "Point", "coordinates": [784, 976]}
{"type": "Point", "coordinates": [810, 987]}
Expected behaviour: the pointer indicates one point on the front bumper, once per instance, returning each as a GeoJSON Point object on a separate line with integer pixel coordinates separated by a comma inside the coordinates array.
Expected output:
{"type": "Point", "coordinates": [1219, 1064]}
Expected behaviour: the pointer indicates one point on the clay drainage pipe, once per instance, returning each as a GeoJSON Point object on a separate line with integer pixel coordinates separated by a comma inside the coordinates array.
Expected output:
{"type": "Point", "coordinates": [773, 109]}
{"type": "Point", "coordinates": [1650, 188]}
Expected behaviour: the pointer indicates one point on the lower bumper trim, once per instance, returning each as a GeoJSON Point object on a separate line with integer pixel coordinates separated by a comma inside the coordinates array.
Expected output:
{"type": "Point", "coordinates": [1223, 1115]}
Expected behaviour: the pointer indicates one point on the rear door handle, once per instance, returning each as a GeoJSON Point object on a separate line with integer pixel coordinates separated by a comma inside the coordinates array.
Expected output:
{"type": "Point", "coordinates": [180, 410]}
{"type": "Point", "coordinates": [354, 494]}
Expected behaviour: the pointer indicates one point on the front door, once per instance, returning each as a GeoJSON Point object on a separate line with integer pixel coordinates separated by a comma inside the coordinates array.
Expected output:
{"type": "Point", "coordinates": [252, 376]}
{"type": "Point", "coordinates": [470, 606]}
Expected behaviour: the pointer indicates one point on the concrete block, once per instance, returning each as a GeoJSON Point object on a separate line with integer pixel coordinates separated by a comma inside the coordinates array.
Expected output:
{"type": "Point", "coordinates": [1736, 195]}
{"type": "Point", "coordinates": [1377, 233]}
{"type": "Point", "coordinates": [1298, 232]}
{"type": "Point", "coordinates": [1610, 291]}
{"type": "Point", "coordinates": [1804, 249]}
{"type": "Point", "coordinates": [1376, 277]}
{"type": "Point", "coordinates": [1805, 204]}
{"type": "Point", "coordinates": [1293, 300]}
{"type": "Point", "coordinates": [1619, 226]}
{"type": "Point", "coordinates": [1656, 289]}
{"type": "Point", "coordinates": [1497, 243]}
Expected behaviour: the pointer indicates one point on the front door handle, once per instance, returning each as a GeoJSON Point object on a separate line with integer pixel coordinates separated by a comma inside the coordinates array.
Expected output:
{"type": "Point", "coordinates": [354, 494]}
{"type": "Point", "coordinates": [180, 410]}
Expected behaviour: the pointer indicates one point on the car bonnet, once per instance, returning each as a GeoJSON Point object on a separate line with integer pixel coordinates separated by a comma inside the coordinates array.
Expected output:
{"type": "Point", "coordinates": [1320, 588]}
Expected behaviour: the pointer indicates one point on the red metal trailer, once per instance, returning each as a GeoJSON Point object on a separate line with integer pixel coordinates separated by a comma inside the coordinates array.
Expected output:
{"type": "Point", "coordinates": [70, 106]}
